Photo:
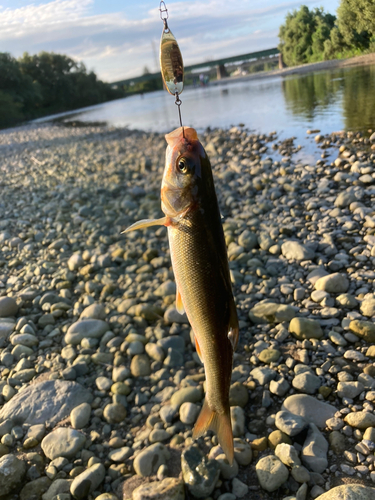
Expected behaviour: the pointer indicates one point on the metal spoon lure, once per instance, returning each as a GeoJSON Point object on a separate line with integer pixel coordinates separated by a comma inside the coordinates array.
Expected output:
{"type": "Point", "coordinates": [171, 63]}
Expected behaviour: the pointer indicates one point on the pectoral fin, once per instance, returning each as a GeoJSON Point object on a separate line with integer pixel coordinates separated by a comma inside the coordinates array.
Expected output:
{"type": "Point", "coordinates": [179, 305]}
{"type": "Point", "coordinates": [141, 224]}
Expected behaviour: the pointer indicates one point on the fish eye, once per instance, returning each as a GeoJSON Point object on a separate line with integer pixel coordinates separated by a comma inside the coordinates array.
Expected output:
{"type": "Point", "coordinates": [182, 165]}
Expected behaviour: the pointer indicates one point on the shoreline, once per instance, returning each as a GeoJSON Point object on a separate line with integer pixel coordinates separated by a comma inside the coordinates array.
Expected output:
{"type": "Point", "coordinates": [363, 60]}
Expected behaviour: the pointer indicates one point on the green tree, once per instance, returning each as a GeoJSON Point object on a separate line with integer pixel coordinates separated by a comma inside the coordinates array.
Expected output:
{"type": "Point", "coordinates": [22, 91]}
{"type": "Point", "coordinates": [10, 111]}
{"type": "Point", "coordinates": [356, 22]}
{"type": "Point", "coordinates": [303, 35]}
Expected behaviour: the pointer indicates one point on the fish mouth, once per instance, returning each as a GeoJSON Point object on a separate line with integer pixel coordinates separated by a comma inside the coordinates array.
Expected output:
{"type": "Point", "coordinates": [188, 134]}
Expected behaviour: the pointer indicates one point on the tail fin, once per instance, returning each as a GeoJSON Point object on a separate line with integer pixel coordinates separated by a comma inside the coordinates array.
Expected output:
{"type": "Point", "coordinates": [220, 424]}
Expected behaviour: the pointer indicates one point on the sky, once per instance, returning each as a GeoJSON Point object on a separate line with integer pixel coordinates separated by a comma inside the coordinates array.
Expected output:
{"type": "Point", "coordinates": [118, 38]}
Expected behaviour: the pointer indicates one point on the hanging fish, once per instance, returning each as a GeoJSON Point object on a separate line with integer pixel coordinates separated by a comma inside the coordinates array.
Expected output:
{"type": "Point", "coordinates": [200, 264]}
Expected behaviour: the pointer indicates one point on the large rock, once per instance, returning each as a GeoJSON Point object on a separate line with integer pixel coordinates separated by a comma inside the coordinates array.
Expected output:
{"type": "Point", "coordinates": [63, 442]}
{"type": "Point", "coordinates": [270, 312]}
{"type": "Point", "coordinates": [199, 473]}
{"type": "Point", "coordinates": [296, 251]}
{"type": "Point", "coordinates": [333, 283]}
{"type": "Point", "coordinates": [305, 328]}
{"type": "Point", "coordinates": [12, 471]}
{"type": "Point", "coordinates": [49, 401]}
{"type": "Point", "coordinates": [169, 489]}
{"type": "Point", "coordinates": [271, 473]}
{"type": "Point", "coordinates": [349, 492]}
{"type": "Point", "coordinates": [310, 408]}
{"type": "Point", "coordinates": [87, 328]}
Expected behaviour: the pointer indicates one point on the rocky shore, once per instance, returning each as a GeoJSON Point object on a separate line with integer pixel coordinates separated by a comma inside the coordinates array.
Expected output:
{"type": "Point", "coordinates": [100, 384]}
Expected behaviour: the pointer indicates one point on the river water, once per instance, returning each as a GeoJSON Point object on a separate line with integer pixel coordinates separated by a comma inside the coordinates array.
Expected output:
{"type": "Point", "coordinates": [329, 100]}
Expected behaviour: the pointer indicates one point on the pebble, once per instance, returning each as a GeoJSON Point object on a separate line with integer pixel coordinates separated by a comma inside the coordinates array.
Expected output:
{"type": "Point", "coordinates": [147, 462]}
{"type": "Point", "coordinates": [304, 328]}
{"type": "Point", "coordinates": [295, 250]}
{"type": "Point", "coordinates": [239, 489]}
{"type": "Point", "coordinates": [87, 328]}
{"type": "Point", "coordinates": [227, 471]}
{"type": "Point", "coordinates": [80, 416]}
{"type": "Point", "coordinates": [290, 424]}
{"type": "Point", "coordinates": [363, 329]}
{"type": "Point", "coordinates": [114, 413]}
{"type": "Point", "coordinates": [360, 419]}
{"type": "Point", "coordinates": [187, 395]}
{"type": "Point", "coordinates": [140, 366]}
{"type": "Point", "coordinates": [88, 481]}
{"type": "Point", "coordinates": [271, 473]}
{"type": "Point", "coordinates": [314, 450]}
{"type": "Point", "coordinates": [270, 312]}
{"type": "Point", "coordinates": [306, 382]}
{"type": "Point", "coordinates": [189, 413]}
{"type": "Point", "coordinates": [333, 283]}
{"type": "Point", "coordinates": [350, 492]}
{"type": "Point", "coordinates": [12, 471]}
{"type": "Point", "coordinates": [63, 442]}
{"type": "Point", "coordinates": [287, 454]}
{"type": "Point", "coordinates": [168, 489]}
{"type": "Point", "coordinates": [8, 307]}
{"type": "Point", "coordinates": [310, 409]}
{"type": "Point", "coordinates": [242, 452]}
{"type": "Point", "coordinates": [87, 301]}
{"type": "Point", "coordinates": [349, 389]}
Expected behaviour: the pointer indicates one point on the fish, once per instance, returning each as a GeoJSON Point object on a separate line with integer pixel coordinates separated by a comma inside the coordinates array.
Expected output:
{"type": "Point", "coordinates": [200, 265]}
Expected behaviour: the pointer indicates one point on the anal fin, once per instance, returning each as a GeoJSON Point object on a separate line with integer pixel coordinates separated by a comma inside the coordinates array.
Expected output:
{"type": "Point", "coordinates": [198, 349]}
{"type": "Point", "coordinates": [141, 224]}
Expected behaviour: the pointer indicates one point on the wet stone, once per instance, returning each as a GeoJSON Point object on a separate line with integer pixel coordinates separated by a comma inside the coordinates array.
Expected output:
{"type": "Point", "coordinates": [199, 473]}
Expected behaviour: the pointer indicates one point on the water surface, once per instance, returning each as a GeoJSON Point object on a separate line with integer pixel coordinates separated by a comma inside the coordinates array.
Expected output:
{"type": "Point", "coordinates": [329, 100]}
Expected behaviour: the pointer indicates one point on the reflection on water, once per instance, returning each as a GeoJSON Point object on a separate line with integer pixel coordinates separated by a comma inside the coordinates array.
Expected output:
{"type": "Point", "coordinates": [350, 92]}
{"type": "Point", "coordinates": [325, 100]}
{"type": "Point", "coordinates": [310, 95]}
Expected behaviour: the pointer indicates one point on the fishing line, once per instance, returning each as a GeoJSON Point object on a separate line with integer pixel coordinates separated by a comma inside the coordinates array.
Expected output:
{"type": "Point", "coordinates": [171, 63]}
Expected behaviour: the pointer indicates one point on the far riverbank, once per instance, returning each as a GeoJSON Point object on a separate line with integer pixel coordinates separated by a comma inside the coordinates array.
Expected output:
{"type": "Point", "coordinates": [363, 60]}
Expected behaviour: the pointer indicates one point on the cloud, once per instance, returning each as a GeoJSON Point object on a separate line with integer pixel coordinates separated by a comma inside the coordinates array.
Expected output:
{"type": "Point", "coordinates": [118, 47]}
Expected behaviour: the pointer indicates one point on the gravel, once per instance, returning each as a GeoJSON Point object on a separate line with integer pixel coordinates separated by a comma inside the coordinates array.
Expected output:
{"type": "Point", "coordinates": [100, 383]}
